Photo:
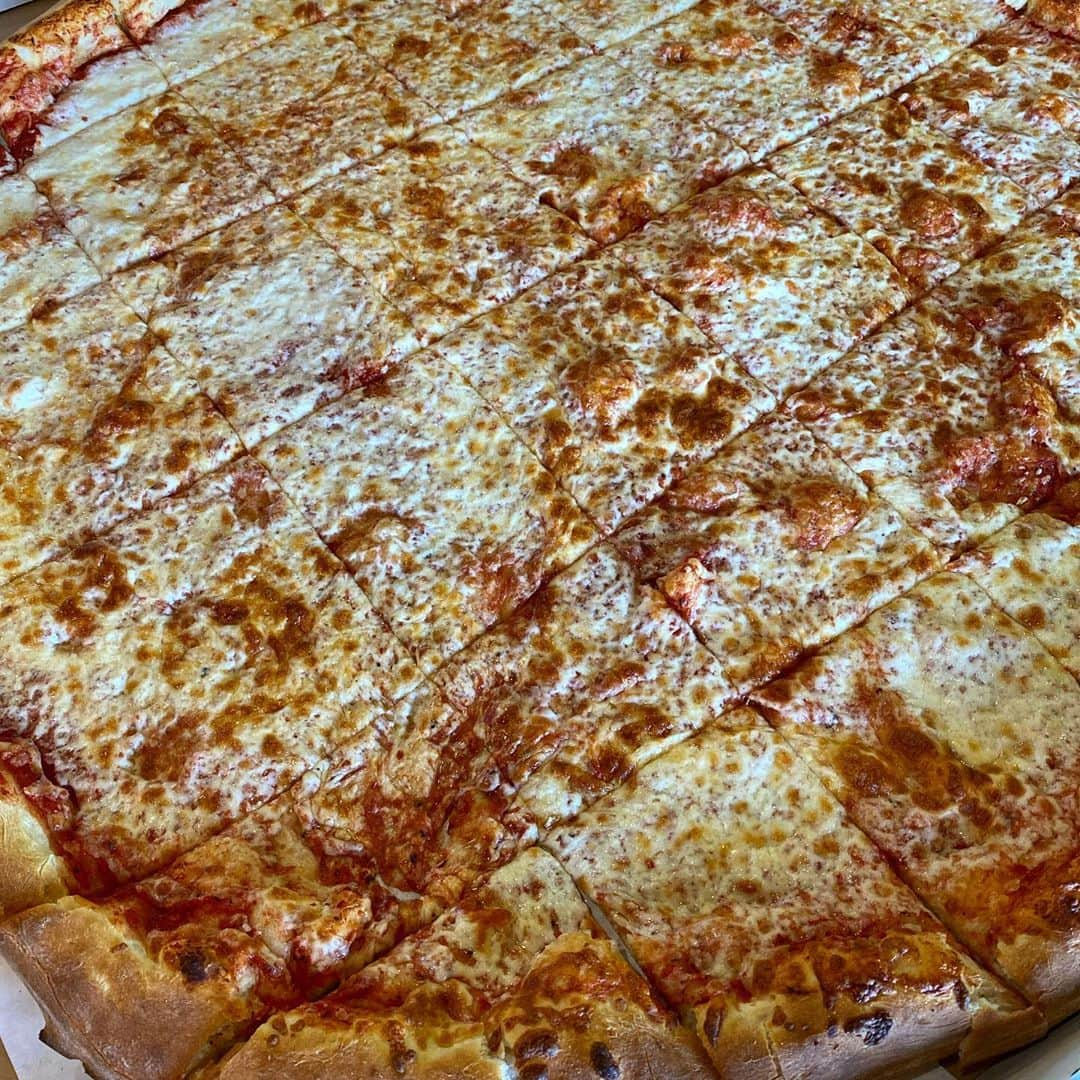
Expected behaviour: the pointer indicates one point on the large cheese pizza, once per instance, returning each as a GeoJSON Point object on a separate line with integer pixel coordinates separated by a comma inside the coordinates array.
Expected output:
{"type": "Point", "coordinates": [540, 539]}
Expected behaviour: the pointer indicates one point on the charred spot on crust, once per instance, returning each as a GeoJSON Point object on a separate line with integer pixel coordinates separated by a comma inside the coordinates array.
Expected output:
{"type": "Point", "coordinates": [602, 1062]}
{"type": "Point", "coordinates": [872, 1029]}
{"type": "Point", "coordinates": [193, 966]}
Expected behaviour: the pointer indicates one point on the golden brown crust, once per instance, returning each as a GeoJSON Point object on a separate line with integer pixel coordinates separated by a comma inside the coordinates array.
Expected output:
{"type": "Point", "coordinates": [1051, 966]}
{"type": "Point", "coordinates": [105, 1001]}
{"type": "Point", "coordinates": [31, 872]}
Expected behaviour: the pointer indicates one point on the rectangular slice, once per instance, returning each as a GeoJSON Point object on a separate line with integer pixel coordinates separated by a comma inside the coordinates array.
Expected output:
{"type": "Point", "coordinates": [1032, 570]}
{"type": "Point", "coordinates": [97, 422]}
{"type": "Point", "coordinates": [1013, 101]}
{"type": "Point", "coordinates": [1024, 295]}
{"type": "Point", "coordinates": [306, 106]}
{"type": "Point", "coordinates": [597, 145]}
{"type": "Point", "coordinates": [518, 981]}
{"type": "Point", "coordinates": [772, 925]}
{"type": "Point", "coordinates": [270, 321]}
{"type": "Point", "coordinates": [914, 193]}
{"type": "Point", "coordinates": [778, 286]}
{"type": "Point", "coordinates": [472, 235]}
{"type": "Point", "coordinates": [458, 55]}
{"type": "Point", "coordinates": [578, 688]}
{"type": "Point", "coordinates": [957, 436]}
{"type": "Point", "coordinates": [179, 672]}
{"type": "Point", "coordinates": [772, 547]}
{"type": "Point", "coordinates": [40, 262]}
{"type": "Point", "coordinates": [443, 516]}
{"type": "Point", "coordinates": [144, 181]}
{"type": "Point", "coordinates": [953, 739]}
{"type": "Point", "coordinates": [614, 390]}
{"type": "Point", "coordinates": [745, 73]}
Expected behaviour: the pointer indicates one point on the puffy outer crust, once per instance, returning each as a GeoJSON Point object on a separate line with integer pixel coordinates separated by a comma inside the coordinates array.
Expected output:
{"type": "Point", "coordinates": [141, 16]}
{"type": "Point", "coordinates": [1063, 15]}
{"type": "Point", "coordinates": [30, 871]}
{"type": "Point", "coordinates": [105, 1001]}
{"type": "Point", "coordinates": [1052, 969]}
{"type": "Point", "coordinates": [317, 1052]}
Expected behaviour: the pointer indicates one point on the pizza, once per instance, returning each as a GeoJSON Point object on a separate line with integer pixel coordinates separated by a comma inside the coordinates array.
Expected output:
{"type": "Point", "coordinates": [540, 539]}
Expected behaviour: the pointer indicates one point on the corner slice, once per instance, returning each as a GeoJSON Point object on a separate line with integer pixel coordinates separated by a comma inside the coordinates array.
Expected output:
{"type": "Point", "coordinates": [607, 152]}
{"type": "Point", "coordinates": [444, 517]}
{"type": "Point", "coordinates": [773, 925]}
{"type": "Point", "coordinates": [517, 981]}
{"type": "Point", "coordinates": [958, 436]}
{"type": "Point", "coordinates": [913, 193]}
{"type": "Point", "coordinates": [614, 390]}
{"type": "Point", "coordinates": [953, 739]}
{"type": "Point", "coordinates": [772, 547]}
{"type": "Point", "coordinates": [778, 286]}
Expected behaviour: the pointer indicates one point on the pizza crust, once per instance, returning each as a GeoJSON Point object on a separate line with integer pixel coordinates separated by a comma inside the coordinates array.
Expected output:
{"type": "Point", "coordinates": [105, 1002]}
{"type": "Point", "coordinates": [31, 872]}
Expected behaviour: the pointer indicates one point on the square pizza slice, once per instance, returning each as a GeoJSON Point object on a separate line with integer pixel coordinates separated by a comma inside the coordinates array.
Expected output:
{"type": "Point", "coordinates": [910, 190]}
{"type": "Point", "coordinates": [740, 70]}
{"type": "Point", "coordinates": [144, 181]}
{"type": "Point", "coordinates": [772, 924]}
{"type": "Point", "coordinates": [270, 321]}
{"type": "Point", "coordinates": [601, 147]}
{"type": "Point", "coordinates": [958, 436]}
{"type": "Point", "coordinates": [306, 106]}
{"type": "Point", "coordinates": [592, 677]}
{"type": "Point", "coordinates": [1012, 101]}
{"type": "Point", "coordinates": [1032, 570]}
{"type": "Point", "coordinates": [185, 39]}
{"type": "Point", "coordinates": [780, 287]}
{"type": "Point", "coordinates": [162, 681]}
{"type": "Point", "coordinates": [603, 23]}
{"type": "Point", "coordinates": [517, 981]}
{"type": "Point", "coordinates": [772, 547]}
{"type": "Point", "coordinates": [442, 514]}
{"type": "Point", "coordinates": [613, 389]}
{"type": "Point", "coordinates": [472, 235]}
{"type": "Point", "coordinates": [1024, 295]}
{"type": "Point", "coordinates": [98, 422]}
{"type": "Point", "coordinates": [953, 739]}
{"type": "Point", "coordinates": [40, 262]}
{"type": "Point", "coordinates": [458, 54]}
